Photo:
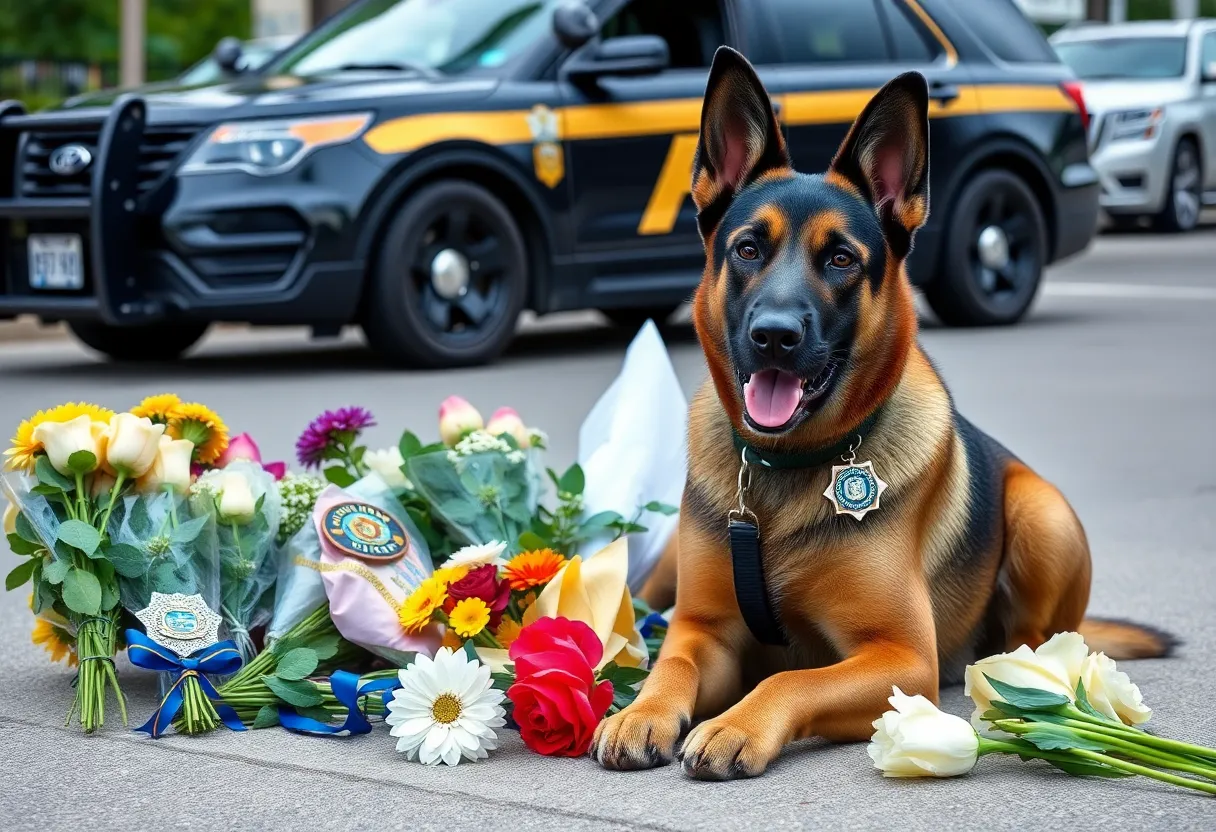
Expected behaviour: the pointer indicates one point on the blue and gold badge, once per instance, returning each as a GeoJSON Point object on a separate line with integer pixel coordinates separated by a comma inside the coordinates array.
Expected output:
{"type": "Point", "coordinates": [180, 623]}
{"type": "Point", "coordinates": [365, 532]}
{"type": "Point", "coordinates": [855, 489]}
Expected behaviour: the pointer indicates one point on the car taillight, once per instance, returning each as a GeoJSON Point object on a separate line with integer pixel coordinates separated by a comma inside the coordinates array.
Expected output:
{"type": "Point", "coordinates": [1073, 90]}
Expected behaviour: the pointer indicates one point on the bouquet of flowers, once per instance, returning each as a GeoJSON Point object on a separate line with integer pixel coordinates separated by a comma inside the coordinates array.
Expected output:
{"type": "Point", "coordinates": [1060, 704]}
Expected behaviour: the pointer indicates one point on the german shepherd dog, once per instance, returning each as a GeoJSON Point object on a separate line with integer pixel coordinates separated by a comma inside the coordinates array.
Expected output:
{"type": "Point", "coordinates": [807, 320]}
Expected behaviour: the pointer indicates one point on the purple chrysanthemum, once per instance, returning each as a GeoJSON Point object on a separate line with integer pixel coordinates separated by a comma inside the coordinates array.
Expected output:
{"type": "Point", "coordinates": [325, 429]}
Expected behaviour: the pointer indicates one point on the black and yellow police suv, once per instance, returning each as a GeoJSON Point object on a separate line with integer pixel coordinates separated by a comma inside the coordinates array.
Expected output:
{"type": "Point", "coordinates": [429, 168]}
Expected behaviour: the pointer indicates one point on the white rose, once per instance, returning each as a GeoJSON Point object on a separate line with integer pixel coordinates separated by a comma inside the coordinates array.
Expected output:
{"type": "Point", "coordinates": [1111, 692]}
{"type": "Point", "coordinates": [1055, 667]}
{"type": "Point", "coordinates": [170, 469]}
{"type": "Point", "coordinates": [132, 443]}
{"type": "Point", "coordinates": [918, 740]}
{"type": "Point", "coordinates": [236, 502]}
{"type": "Point", "coordinates": [62, 439]}
{"type": "Point", "coordinates": [387, 463]}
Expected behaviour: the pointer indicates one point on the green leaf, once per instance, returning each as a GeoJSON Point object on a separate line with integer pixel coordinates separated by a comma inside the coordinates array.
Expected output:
{"type": "Point", "coordinates": [1084, 705]}
{"type": "Point", "coordinates": [409, 445]}
{"type": "Point", "coordinates": [1085, 768]}
{"type": "Point", "coordinates": [47, 490]}
{"type": "Point", "coordinates": [55, 570]}
{"type": "Point", "coordinates": [298, 692]}
{"type": "Point", "coordinates": [662, 508]}
{"type": "Point", "coordinates": [268, 717]}
{"type": "Point", "coordinates": [80, 535]}
{"type": "Point", "coordinates": [531, 541]}
{"type": "Point", "coordinates": [326, 647]}
{"type": "Point", "coordinates": [1057, 737]}
{"type": "Point", "coordinates": [47, 475]}
{"type": "Point", "coordinates": [189, 531]}
{"type": "Point", "coordinates": [624, 676]}
{"type": "Point", "coordinates": [470, 650]}
{"type": "Point", "coordinates": [140, 523]}
{"type": "Point", "coordinates": [1029, 698]}
{"type": "Point", "coordinates": [459, 511]}
{"type": "Point", "coordinates": [82, 462]}
{"type": "Point", "coordinates": [109, 595]}
{"type": "Point", "coordinates": [284, 646]}
{"type": "Point", "coordinates": [21, 546]}
{"type": "Point", "coordinates": [339, 476]}
{"type": "Point", "coordinates": [20, 575]}
{"type": "Point", "coordinates": [82, 592]}
{"type": "Point", "coordinates": [165, 579]}
{"type": "Point", "coordinates": [296, 664]}
{"type": "Point", "coordinates": [128, 560]}
{"type": "Point", "coordinates": [26, 530]}
{"type": "Point", "coordinates": [44, 595]}
{"type": "Point", "coordinates": [319, 713]}
{"type": "Point", "coordinates": [573, 481]}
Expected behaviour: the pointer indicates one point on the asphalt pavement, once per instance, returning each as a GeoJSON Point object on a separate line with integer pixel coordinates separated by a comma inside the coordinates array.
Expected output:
{"type": "Point", "coordinates": [1108, 389]}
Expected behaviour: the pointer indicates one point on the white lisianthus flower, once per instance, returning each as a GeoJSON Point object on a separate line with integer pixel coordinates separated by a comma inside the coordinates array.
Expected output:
{"type": "Point", "coordinates": [1112, 692]}
{"type": "Point", "coordinates": [446, 710]}
{"type": "Point", "coordinates": [918, 740]}
{"type": "Point", "coordinates": [1055, 667]}
{"type": "Point", "coordinates": [477, 555]}
{"type": "Point", "coordinates": [132, 443]}
{"type": "Point", "coordinates": [236, 502]}
{"type": "Point", "coordinates": [387, 463]}
{"type": "Point", "coordinates": [62, 439]}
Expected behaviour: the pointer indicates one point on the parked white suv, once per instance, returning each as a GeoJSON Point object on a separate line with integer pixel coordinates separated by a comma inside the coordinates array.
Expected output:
{"type": "Point", "coordinates": [1150, 88]}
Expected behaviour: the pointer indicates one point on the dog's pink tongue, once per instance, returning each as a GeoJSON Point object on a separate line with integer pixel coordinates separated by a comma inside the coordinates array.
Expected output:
{"type": "Point", "coordinates": [772, 397]}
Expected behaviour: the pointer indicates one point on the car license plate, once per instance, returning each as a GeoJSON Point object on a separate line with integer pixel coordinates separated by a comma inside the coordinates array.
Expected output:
{"type": "Point", "coordinates": [56, 262]}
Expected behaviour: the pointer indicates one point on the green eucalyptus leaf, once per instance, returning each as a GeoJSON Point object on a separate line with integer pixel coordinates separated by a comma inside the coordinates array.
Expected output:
{"type": "Point", "coordinates": [319, 713]}
{"type": "Point", "coordinates": [296, 664]}
{"type": "Point", "coordinates": [82, 592]}
{"type": "Point", "coordinates": [573, 481]}
{"type": "Point", "coordinates": [128, 560]}
{"type": "Point", "coordinates": [268, 717]}
{"type": "Point", "coordinates": [47, 490]}
{"type": "Point", "coordinates": [326, 647]}
{"type": "Point", "coordinates": [298, 692]}
{"type": "Point", "coordinates": [140, 523]}
{"type": "Point", "coordinates": [21, 546]}
{"type": "Point", "coordinates": [25, 529]}
{"type": "Point", "coordinates": [80, 535]}
{"type": "Point", "coordinates": [409, 445]}
{"type": "Point", "coordinates": [339, 476]}
{"type": "Point", "coordinates": [662, 508]}
{"type": "Point", "coordinates": [44, 595]}
{"type": "Point", "coordinates": [189, 531]}
{"type": "Point", "coordinates": [82, 462]}
{"type": "Point", "coordinates": [20, 575]}
{"type": "Point", "coordinates": [109, 595]}
{"type": "Point", "coordinates": [55, 570]}
{"type": "Point", "coordinates": [47, 475]}
{"type": "Point", "coordinates": [459, 511]}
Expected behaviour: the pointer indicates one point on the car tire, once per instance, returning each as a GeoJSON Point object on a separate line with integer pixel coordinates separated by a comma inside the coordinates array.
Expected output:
{"type": "Point", "coordinates": [1184, 199]}
{"type": "Point", "coordinates": [996, 213]}
{"type": "Point", "coordinates": [153, 342]}
{"type": "Point", "coordinates": [449, 281]}
{"type": "Point", "coordinates": [632, 319]}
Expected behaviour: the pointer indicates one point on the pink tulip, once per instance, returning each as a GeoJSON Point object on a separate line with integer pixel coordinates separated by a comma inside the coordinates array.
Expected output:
{"type": "Point", "coordinates": [278, 470]}
{"type": "Point", "coordinates": [457, 419]}
{"type": "Point", "coordinates": [240, 446]}
{"type": "Point", "coordinates": [506, 420]}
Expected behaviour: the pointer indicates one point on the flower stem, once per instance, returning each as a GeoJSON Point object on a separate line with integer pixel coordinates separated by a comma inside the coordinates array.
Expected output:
{"type": "Point", "coordinates": [1143, 737]}
{"type": "Point", "coordinates": [81, 507]}
{"type": "Point", "coordinates": [118, 484]}
{"type": "Point", "coordinates": [1186, 782]}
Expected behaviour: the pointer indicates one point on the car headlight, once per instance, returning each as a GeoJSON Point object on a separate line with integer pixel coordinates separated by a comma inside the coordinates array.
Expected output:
{"type": "Point", "coordinates": [1135, 124]}
{"type": "Point", "coordinates": [265, 148]}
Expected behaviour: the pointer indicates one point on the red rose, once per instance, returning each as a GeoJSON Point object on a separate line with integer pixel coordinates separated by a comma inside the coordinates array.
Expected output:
{"type": "Point", "coordinates": [557, 701]}
{"type": "Point", "coordinates": [483, 583]}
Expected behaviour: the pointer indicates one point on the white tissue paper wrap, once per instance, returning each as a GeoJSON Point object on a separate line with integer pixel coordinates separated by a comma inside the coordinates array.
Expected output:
{"type": "Point", "coordinates": [633, 448]}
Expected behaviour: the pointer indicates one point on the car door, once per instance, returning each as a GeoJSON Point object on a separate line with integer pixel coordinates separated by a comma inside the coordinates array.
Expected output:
{"type": "Point", "coordinates": [835, 55]}
{"type": "Point", "coordinates": [629, 143]}
{"type": "Point", "coordinates": [1207, 83]}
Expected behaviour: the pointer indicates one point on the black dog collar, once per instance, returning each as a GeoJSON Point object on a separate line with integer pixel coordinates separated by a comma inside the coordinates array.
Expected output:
{"type": "Point", "coordinates": [805, 459]}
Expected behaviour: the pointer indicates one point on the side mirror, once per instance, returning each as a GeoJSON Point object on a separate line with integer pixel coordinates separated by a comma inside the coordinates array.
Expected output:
{"type": "Point", "coordinates": [227, 55]}
{"type": "Point", "coordinates": [627, 55]}
{"type": "Point", "coordinates": [574, 23]}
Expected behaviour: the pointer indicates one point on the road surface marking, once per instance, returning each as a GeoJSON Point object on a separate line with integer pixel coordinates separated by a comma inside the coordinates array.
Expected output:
{"type": "Point", "coordinates": [1128, 290]}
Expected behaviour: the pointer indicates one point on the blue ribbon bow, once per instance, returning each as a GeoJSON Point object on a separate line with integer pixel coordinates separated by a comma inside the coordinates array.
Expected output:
{"type": "Point", "coordinates": [348, 689]}
{"type": "Point", "coordinates": [221, 658]}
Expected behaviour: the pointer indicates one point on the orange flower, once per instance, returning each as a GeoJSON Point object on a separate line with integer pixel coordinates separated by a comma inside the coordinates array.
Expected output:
{"type": "Point", "coordinates": [450, 639]}
{"type": "Point", "coordinates": [508, 631]}
{"type": "Point", "coordinates": [533, 568]}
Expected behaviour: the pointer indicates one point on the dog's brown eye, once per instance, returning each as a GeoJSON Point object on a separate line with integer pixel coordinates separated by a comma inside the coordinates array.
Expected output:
{"type": "Point", "coordinates": [747, 251]}
{"type": "Point", "coordinates": [842, 259]}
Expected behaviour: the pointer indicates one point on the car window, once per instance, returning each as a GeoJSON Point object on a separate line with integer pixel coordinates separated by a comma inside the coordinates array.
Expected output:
{"type": "Point", "coordinates": [693, 29]}
{"type": "Point", "coordinates": [1125, 57]}
{"type": "Point", "coordinates": [908, 36]}
{"type": "Point", "coordinates": [1207, 56]}
{"type": "Point", "coordinates": [828, 31]}
{"type": "Point", "coordinates": [1005, 30]}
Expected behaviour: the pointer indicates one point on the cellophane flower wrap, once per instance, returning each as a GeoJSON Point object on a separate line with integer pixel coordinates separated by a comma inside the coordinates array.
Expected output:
{"type": "Point", "coordinates": [245, 506]}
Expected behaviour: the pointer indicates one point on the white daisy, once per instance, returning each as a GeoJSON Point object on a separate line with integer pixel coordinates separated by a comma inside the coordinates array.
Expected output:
{"type": "Point", "coordinates": [446, 709]}
{"type": "Point", "coordinates": [477, 555]}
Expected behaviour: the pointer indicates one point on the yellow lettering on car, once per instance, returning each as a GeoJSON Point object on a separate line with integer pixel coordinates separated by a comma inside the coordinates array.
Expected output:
{"type": "Point", "coordinates": [673, 185]}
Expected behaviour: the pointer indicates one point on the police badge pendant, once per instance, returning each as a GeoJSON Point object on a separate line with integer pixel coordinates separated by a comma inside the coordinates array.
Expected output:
{"type": "Point", "coordinates": [854, 487]}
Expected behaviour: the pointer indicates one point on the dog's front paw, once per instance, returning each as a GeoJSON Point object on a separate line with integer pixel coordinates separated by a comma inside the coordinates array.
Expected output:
{"type": "Point", "coordinates": [720, 750]}
{"type": "Point", "coordinates": [641, 736]}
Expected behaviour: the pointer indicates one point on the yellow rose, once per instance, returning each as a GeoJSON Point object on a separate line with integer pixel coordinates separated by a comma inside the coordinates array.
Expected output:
{"type": "Point", "coordinates": [1111, 692]}
{"type": "Point", "coordinates": [170, 469]}
{"type": "Point", "coordinates": [1055, 667]}
{"type": "Point", "coordinates": [62, 439]}
{"type": "Point", "coordinates": [132, 443]}
{"type": "Point", "coordinates": [10, 519]}
{"type": "Point", "coordinates": [236, 504]}
{"type": "Point", "coordinates": [102, 484]}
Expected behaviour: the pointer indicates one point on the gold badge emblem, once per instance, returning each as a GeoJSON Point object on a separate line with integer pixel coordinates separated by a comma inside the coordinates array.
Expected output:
{"type": "Point", "coordinates": [547, 154]}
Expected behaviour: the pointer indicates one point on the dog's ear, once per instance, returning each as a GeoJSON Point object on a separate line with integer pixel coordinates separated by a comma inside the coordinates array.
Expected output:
{"type": "Point", "coordinates": [740, 138]}
{"type": "Point", "coordinates": [886, 156]}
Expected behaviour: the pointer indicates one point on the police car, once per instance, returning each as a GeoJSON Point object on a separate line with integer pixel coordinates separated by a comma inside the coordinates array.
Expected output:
{"type": "Point", "coordinates": [427, 169]}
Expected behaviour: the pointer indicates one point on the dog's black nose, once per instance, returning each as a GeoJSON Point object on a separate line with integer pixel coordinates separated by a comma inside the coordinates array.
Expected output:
{"type": "Point", "coordinates": [776, 334]}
